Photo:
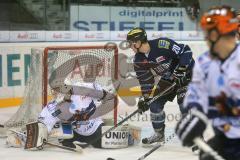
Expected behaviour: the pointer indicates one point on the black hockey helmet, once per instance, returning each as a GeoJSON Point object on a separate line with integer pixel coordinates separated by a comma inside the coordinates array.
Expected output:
{"type": "Point", "coordinates": [137, 34]}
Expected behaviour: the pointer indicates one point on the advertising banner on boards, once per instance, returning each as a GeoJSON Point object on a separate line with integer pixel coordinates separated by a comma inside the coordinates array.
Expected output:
{"type": "Point", "coordinates": [95, 18]}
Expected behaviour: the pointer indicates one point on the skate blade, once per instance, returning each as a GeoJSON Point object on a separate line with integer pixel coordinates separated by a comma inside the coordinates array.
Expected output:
{"type": "Point", "coordinates": [150, 145]}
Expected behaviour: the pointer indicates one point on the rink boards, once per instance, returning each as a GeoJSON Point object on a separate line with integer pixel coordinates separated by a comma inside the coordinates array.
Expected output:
{"type": "Point", "coordinates": [15, 61]}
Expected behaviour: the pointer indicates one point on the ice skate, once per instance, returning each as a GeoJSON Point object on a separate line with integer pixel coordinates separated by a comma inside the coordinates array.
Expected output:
{"type": "Point", "coordinates": [157, 137]}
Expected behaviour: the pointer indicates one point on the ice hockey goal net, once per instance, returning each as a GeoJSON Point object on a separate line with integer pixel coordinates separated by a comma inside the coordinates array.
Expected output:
{"type": "Point", "coordinates": [83, 62]}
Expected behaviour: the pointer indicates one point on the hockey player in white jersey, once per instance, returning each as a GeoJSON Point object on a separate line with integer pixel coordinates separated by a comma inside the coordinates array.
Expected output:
{"type": "Point", "coordinates": [74, 114]}
{"type": "Point", "coordinates": [214, 93]}
{"type": "Point", "coordinates": [81, 108]}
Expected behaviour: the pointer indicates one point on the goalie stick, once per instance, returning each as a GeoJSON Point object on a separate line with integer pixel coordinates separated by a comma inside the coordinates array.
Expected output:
{"type": "Point", "coordinates": [129, 116]}
{"type": "Point", "coordinates": [78, 149]}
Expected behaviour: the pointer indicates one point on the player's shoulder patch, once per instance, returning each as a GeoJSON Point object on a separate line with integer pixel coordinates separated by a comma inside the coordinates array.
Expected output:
{"type": "Point", "coordinates": [163, 43]}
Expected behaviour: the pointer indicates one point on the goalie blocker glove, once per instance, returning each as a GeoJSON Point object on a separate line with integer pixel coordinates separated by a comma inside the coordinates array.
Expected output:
{"type": "Point", "coordinates": [191, 126]}
{"type": "Point", "coordinates": [37, 135]}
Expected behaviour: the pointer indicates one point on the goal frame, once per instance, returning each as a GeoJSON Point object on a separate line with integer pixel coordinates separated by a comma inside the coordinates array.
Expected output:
{"type": "Point", "coordinates": [45, 69]}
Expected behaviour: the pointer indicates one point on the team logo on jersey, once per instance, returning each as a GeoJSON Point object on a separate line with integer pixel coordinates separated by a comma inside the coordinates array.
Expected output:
{"type": "Point", "coordinates": [160, 59]}
{"type": "Point", "coordinates": [163, 44]}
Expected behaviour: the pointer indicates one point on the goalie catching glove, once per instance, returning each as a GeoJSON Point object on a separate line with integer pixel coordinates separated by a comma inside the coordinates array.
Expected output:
{"type": "Point", "coordinates": [191, 126]}
{"type": "Point", "coordinates": [37, 135]}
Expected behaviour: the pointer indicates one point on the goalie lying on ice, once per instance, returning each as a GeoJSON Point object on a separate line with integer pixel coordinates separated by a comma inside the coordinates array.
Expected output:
{"type": "Point", "coordinates": [73, 116]}
{"type": "Point", "coordinates": [76, 118]}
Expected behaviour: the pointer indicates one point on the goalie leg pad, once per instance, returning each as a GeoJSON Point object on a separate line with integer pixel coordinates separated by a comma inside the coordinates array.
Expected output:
{"type": "Point", "coordinates": [37, 134]}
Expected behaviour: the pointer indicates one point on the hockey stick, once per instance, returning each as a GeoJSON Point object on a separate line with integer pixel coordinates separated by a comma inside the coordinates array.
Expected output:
{"type": "Point", "coordinates": [156, 147]}
{"type": "Point", "coordinates": [207, 149]}
{"type": "Point", "coordinates": [77, 149]}
{"type": "Point", "coordinates": [161, 94]}
{"type": "Point", "coordinates": [129, 116]}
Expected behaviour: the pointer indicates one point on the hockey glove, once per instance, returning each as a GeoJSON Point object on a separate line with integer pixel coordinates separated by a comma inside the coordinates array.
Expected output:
{"type": "Point", "coordinates": [191, 126]}
{"type": "Point", "coordinates": [180, 76]}
{"type": "Point", "coordinates": [142, 104]}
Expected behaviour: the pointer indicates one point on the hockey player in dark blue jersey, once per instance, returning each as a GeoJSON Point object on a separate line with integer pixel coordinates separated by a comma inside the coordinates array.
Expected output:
{"type": "Point", "coordinates": [168, 59]}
